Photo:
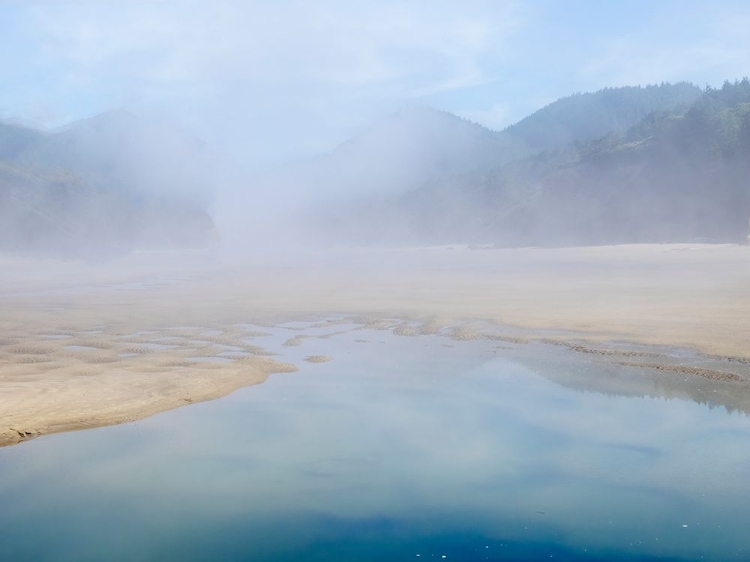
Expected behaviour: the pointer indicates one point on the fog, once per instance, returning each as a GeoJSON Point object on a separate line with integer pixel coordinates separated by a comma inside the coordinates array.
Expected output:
{"type": "Point", "coordinates": [400, 218]}
{"type": "Point", "coordinates": [246, 126]}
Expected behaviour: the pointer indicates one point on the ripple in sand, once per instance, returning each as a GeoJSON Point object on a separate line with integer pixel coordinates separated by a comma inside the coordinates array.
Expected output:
{"type": "Point", "coordinates": [157, 346]}
{"type": "Point", "coordinates": [295, 341]}
{"type": "Point", "coordinates": [318, 358]}
{"type": "Point", "coordinates": [212, 359]}
{"type": "Point", "coordinates": [81, 348]}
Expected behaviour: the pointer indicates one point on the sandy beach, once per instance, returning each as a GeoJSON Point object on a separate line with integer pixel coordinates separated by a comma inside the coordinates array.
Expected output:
{"type": "Point", "coordinates": [85, 346]}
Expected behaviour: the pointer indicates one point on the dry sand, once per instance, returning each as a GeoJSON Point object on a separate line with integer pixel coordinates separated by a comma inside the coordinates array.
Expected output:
{"type": "Point", "coordinates": [695, 296]}
{"type": "Point", "coordinates": [318, 358]}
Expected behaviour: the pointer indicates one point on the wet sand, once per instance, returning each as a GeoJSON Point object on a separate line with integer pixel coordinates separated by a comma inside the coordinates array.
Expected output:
{"type": "Point", "coordinates": [84, 346]}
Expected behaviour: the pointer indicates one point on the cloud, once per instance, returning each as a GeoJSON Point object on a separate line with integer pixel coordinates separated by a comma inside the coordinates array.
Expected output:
{"type": "Point", "coordinates": [323, 44]}
{"type": "Point", "coordinates": [317, 68]}
{"type": "Point", "coordinates": [281, 79]}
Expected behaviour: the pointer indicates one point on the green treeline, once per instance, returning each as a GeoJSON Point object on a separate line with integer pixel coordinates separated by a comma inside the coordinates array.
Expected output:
{"type": "Point", "coordinates": [678, 174]}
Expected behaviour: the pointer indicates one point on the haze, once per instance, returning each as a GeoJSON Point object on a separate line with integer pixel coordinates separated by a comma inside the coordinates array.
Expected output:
{"type": "Point", "coordinates": [442, 237]}
{"type": "Point", "coordinates": [267, 82]}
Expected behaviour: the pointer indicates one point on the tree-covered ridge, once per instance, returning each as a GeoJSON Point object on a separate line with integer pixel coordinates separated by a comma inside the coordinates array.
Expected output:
{"type": "Point", "coordinates": [676, 176]}
{"type": "Point", "coordinates": [420, 147]}
{"type": "Point", "coordinates": [583, 117]}
{"type": "Point", "coordinates": [679, 175]}
{"type": "Point", "coordinates": [15, 140]}
{"type": "Point", "coordinates": [84, 192]}
{"type": "Point", "coordinates": [671, 164]}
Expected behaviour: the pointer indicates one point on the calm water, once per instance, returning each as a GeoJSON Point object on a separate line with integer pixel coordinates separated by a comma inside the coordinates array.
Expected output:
{"type": "Point", "coordinates": [400, 450]}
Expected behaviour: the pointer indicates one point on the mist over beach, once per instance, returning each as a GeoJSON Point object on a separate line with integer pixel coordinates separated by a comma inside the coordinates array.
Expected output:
{"type": "Point", "coordinates": [375, 280]}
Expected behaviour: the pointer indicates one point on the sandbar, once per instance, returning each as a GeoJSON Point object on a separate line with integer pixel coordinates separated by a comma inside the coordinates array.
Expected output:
{"type": "Point", "coordinates": [89, 345]}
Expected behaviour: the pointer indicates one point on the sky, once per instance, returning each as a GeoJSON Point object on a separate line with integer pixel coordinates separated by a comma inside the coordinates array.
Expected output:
{"type": "Point", "coordinates": [271, 81]}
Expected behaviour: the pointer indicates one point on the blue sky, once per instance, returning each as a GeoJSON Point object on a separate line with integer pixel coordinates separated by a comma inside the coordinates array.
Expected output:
{"type": "Point", "coordinates": [286, 79]}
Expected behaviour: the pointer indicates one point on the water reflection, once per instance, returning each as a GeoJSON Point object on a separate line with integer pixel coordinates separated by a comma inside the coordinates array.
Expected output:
{"type": "Point", "coordinates": [391, 451]}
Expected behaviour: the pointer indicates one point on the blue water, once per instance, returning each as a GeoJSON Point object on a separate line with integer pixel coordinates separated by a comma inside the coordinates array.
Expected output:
{"type": "Point", "coordinates": [400, 450]}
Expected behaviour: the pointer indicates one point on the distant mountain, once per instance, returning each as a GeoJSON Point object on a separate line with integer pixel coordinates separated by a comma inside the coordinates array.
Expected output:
{"type": "Point", "coordinates": [676, 176]}
{"type": "Point", "coordinates": [679, 175]}
{"type": "Point", "coordinates": [124, 152]}
{"type": "Point", "coordinates": [655, 163]}
{"type": "Point", "coordinates": [418, 142]}
{"type": "Point", "coordinates": [585, 117]}
{"type": "Point", "coordinates": [16, 139]}
{"type": "Point", "coordinates": [397, 154]}
{"type": "Point", "coordinates": [418, 145]}
{"type": "Point", "coordinates": [100, 186]}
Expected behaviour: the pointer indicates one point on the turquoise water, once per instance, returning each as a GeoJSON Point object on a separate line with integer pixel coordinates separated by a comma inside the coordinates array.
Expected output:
{"type": "Point", "coordinates": [399, 449]}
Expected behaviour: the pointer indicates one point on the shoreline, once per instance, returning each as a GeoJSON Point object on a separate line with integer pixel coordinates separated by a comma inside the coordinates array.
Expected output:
{"type": "Point", "coordinates": [87, 357]}
{"type": "Point", "coordinates": [119, 397]}
{"type": "Point", "coordinates": [123, 395]}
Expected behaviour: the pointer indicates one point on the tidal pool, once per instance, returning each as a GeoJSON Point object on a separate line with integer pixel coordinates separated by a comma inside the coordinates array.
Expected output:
{"type": "Point", "coordinates": [401, 448]}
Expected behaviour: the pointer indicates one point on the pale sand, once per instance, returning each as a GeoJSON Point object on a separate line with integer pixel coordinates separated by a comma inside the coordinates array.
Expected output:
{"type": "Point", "coordinates": [318, 358]}
{"type": "Point", "coordinates": [695, 296]}
{"type": "Point", "coordinates": [47, 390]}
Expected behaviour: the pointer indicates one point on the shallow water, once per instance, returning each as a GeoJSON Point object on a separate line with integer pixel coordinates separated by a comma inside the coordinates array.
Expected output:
{"type": "Point", "coordinates": [399, 449]}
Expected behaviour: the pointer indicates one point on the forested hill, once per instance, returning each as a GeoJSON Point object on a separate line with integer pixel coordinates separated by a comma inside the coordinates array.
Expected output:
{"type": "Point", "coordinates": [100, 187]}
{"type": "Point", "coordinates": [418, 145]}
{"type": "Point", "coordinates": [584, 117]}
{"type": "Point", "coordinates": [398, 153]}
{"type": "Point", "coordinates": [679, 175]}
{"type": "Point", "coordinates": [642, 164]}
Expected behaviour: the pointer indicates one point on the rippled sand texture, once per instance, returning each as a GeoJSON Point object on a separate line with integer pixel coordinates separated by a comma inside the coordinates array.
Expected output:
{"type": "Point", "coordinates": [64, 379]}
{"type": "Point", "coordinates": [84, 345]}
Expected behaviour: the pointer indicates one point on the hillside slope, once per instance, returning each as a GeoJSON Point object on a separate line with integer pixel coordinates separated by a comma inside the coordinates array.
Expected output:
{"type": "Point", "coordinates": [95, 189]}
{"type": "Point", "coordinates": [418, 145]}
{"type": "Point", "coordinates": [585, 117]}
{"type": "Point", "coordinates": [675, 176]}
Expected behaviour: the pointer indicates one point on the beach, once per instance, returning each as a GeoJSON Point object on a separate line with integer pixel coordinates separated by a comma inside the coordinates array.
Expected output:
{"type": "Point", "coordinates": [86, 346]}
